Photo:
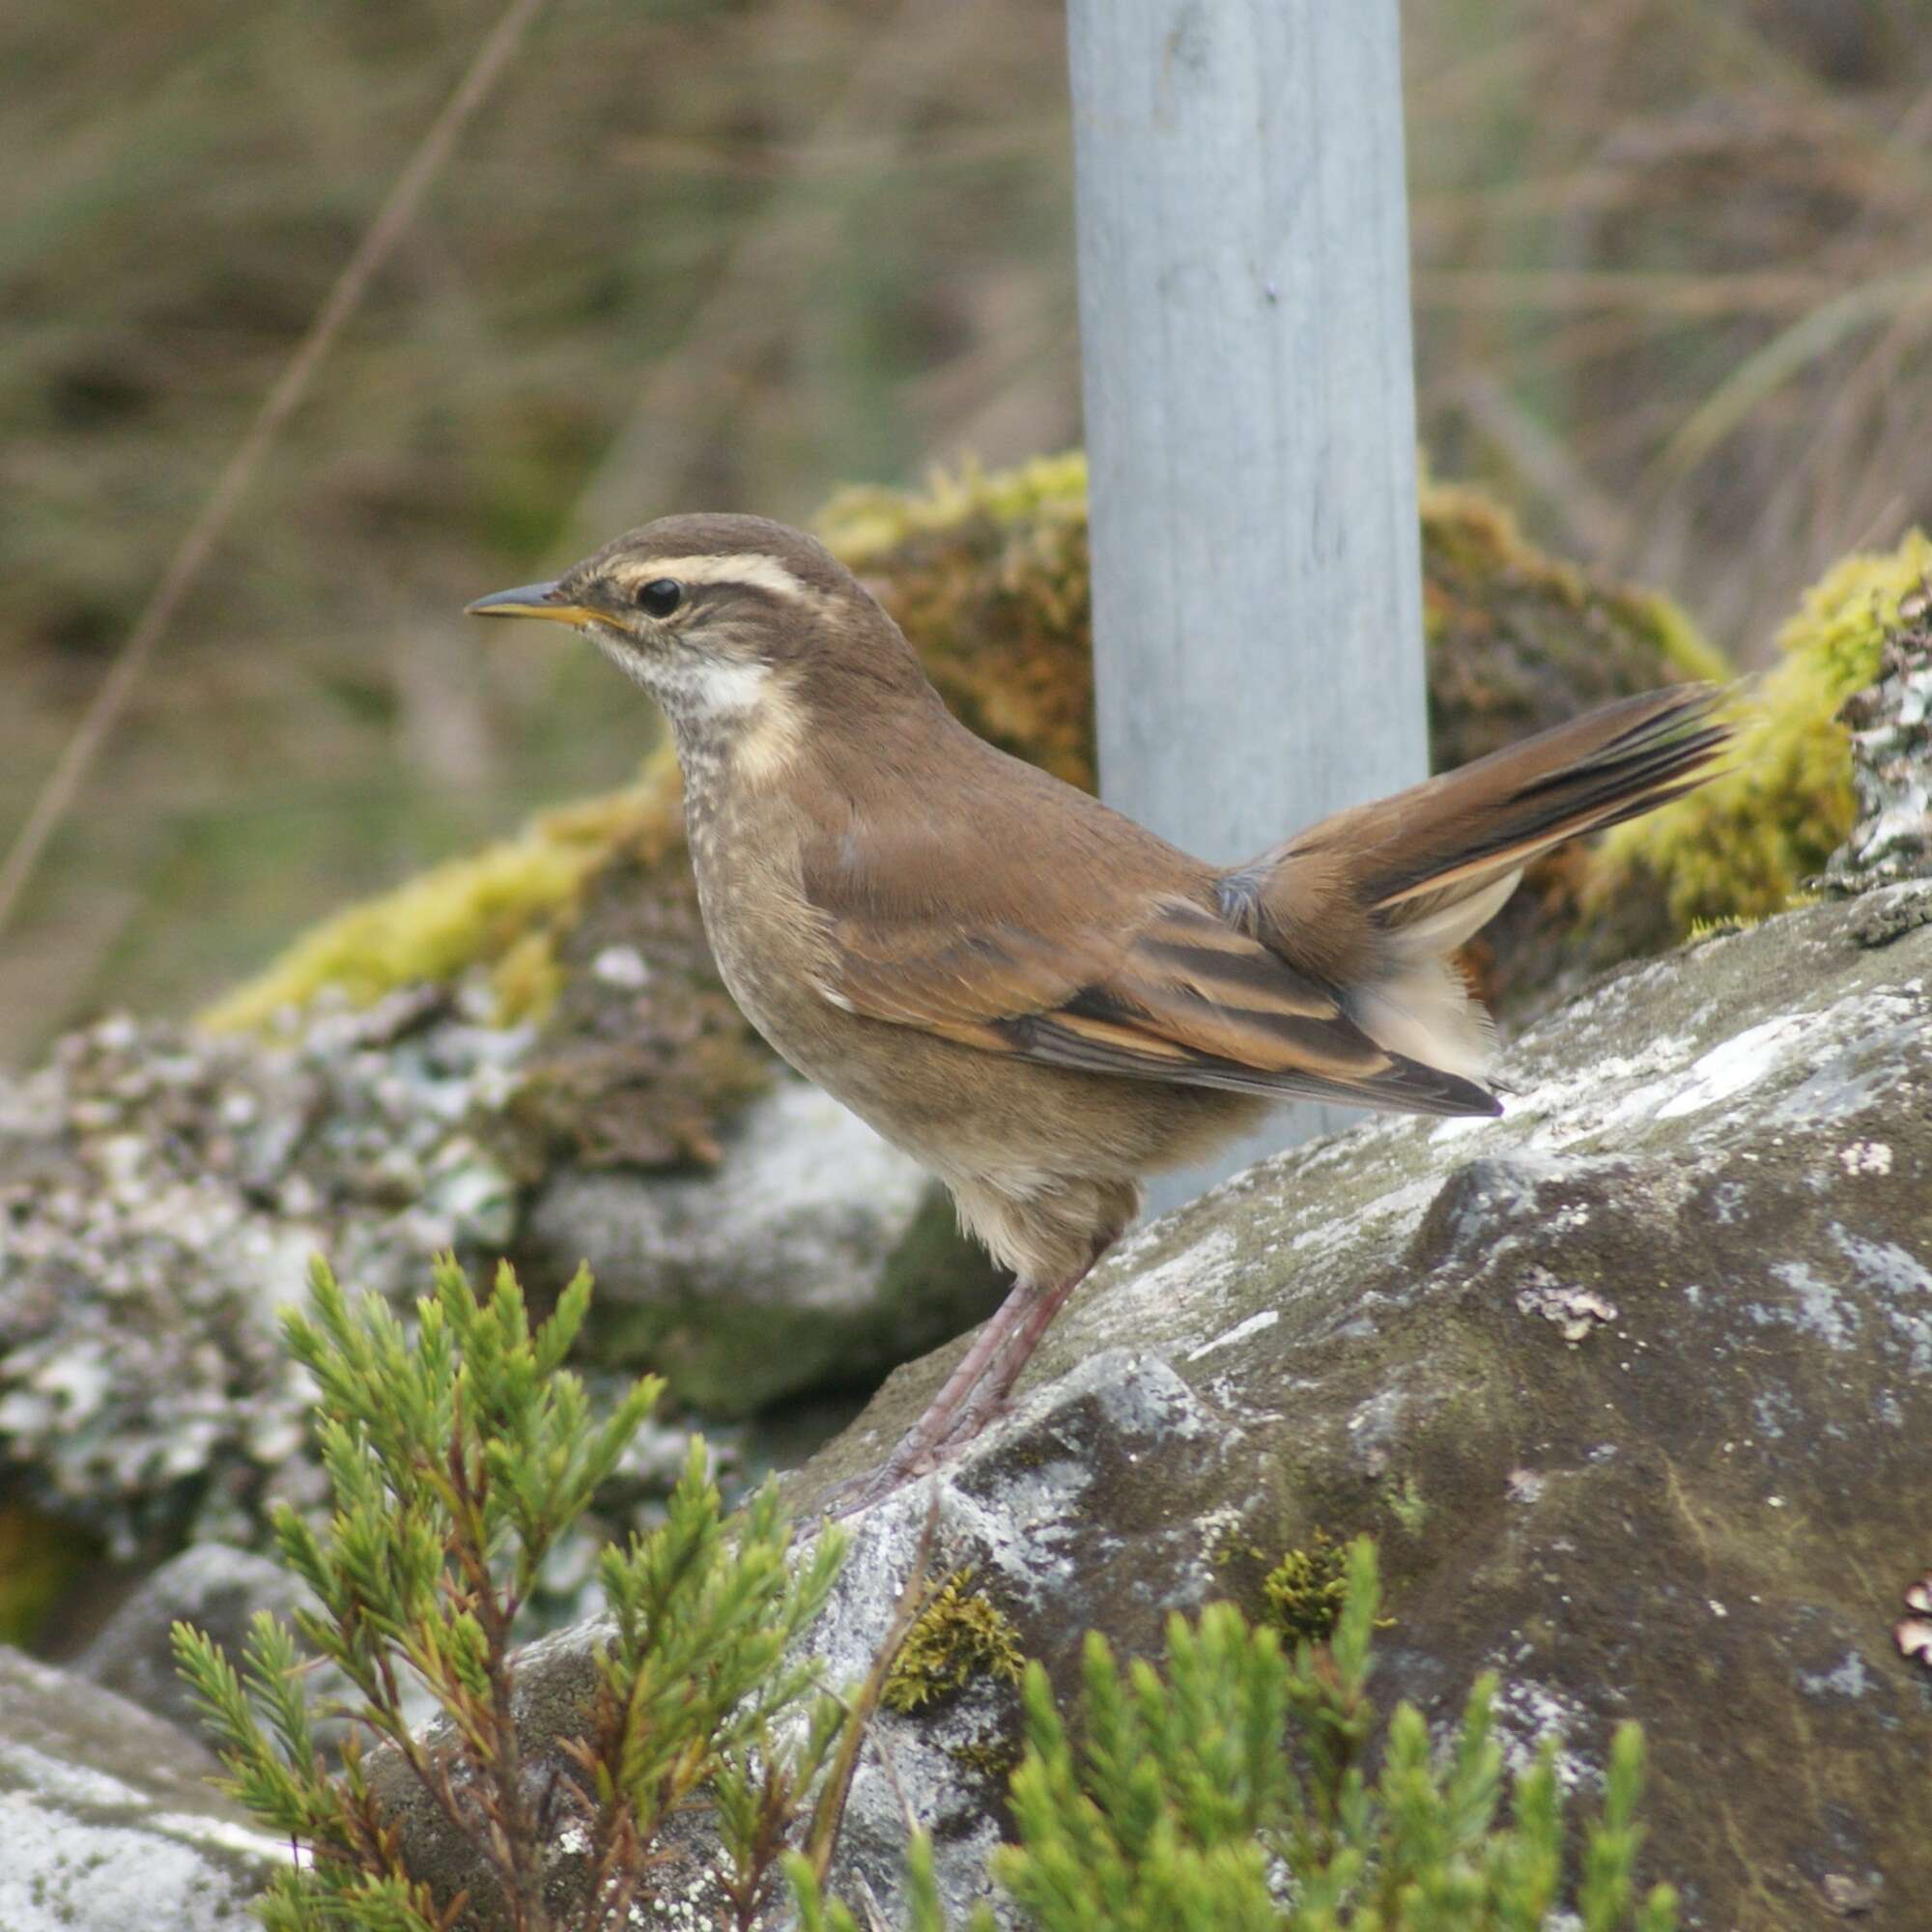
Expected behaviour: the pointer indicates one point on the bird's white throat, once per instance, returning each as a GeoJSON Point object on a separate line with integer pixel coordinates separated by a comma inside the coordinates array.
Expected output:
{"type": "Point", "coordinates": [695, 689]}
{"type": "Point", "coordinates": [725, 713]}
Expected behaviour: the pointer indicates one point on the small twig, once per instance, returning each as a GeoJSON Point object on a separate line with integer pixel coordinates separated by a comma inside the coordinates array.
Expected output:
{"type": "Point", "coordinates": [378, 241]}
{"type": "Point", "coordinates": [829, 1814]}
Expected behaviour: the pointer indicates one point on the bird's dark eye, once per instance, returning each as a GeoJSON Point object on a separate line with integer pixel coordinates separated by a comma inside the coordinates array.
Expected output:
{"type": "Point", "coordinates": [660, 596]}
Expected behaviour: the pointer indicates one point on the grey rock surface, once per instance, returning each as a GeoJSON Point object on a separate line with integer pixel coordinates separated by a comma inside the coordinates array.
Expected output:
{"type": "Point", "coordinates": [213, 1586]}
{"type": "Point", "coordinates": [107, 1822]}
{"type": "Point", "coordinates": [1890, 721]}
{"type": "Point", "coordinates": [160, 1196]}
{"type": "Point", "coordinates": [1633, 1385]}
{"type": "Point", "coordinates": [814, 1254]}
{"type": "Point", "coordinates": [162, 1192]}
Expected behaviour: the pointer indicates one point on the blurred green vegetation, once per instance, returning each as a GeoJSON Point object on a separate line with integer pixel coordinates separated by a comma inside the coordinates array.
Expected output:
{"type": "Point", "coordinates": [1674, 300]}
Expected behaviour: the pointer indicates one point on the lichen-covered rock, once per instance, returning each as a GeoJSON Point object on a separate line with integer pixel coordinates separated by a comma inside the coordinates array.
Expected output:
{"type": "Point", "coordinates": [1890, 722]}
{"type": "Point", "coordinates": [1746, 844]}
{"type": "Point", "coordinates": [107, 1819]}
{"type": "Point", "coordinates": [161, 1193]}
{"type": "Point", "coordinates": [1634, 1385]}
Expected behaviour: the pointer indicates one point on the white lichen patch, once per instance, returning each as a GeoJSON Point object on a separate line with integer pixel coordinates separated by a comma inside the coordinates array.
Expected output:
{"type": "Point", "coordinates": [23, 1768]}
{"type": "Point", "coordinates": [1565, 1091]}
{"type": "Point", "coordinates": [1814, 1306]}
{"type": "Point", "coordinates": [224, 1835]}
{"type": "Point", "coordinates": [1613, 1097]}
{"type": "Point", "coordinates": [1162, 1300]}
{"type": "Point", "coordinates": [1331, 1234]}
{"type": "Point", "coordinates": [1849, 1678]}
{"type": "Point", "coordinates": [1254, 1324]}
{"type": "Point", "coordinates": [1865, 1158]}
{"type": "Point", "coordinates": [1904, 1287]}
{"type": "Point", "coordinates": [1574, 1311]}
{"type": "Point", "coordinates": [185, 1185]}
{"type": "Point", "coordinates": [1737, 1064]}
{"type": "Point", "coordinates": [1529, 1714]}
{"type": "Point", "coordinates": [61, 1873]}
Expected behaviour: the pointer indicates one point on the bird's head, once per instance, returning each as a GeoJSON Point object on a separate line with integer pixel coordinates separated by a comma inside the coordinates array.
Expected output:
{"type": "Point", "coordinates": [732, 623]}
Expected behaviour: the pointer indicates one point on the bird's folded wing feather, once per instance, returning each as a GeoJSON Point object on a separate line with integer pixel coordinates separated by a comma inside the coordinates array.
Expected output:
{"type": "Point", "coordinates": [1143, 984]}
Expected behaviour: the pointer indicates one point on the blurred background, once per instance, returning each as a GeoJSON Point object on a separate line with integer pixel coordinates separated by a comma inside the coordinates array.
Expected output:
{"type": "Point", "coordinates": [1674, 303]}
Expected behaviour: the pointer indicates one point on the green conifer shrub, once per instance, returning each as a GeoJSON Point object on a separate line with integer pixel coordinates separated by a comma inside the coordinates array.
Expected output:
{"type": "Point", "coordinates": [1229, 1794]}
{"type": "Point", "coordinates": [458, 1458]}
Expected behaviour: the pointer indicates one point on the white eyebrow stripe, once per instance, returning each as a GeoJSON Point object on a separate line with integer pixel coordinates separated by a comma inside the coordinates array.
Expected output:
{"type": "Point", "coordinates": [752, 567]}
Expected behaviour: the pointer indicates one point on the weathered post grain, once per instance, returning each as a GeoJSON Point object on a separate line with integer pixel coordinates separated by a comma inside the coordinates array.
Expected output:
{"type": "Point", "coordinates": [1244, 318]}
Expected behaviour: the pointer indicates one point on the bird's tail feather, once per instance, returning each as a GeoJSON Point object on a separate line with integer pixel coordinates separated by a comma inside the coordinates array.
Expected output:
{"type": "Point", "coordinates": [1427, 868]}
{"type": "Point", "coordinates": [1451, 842]}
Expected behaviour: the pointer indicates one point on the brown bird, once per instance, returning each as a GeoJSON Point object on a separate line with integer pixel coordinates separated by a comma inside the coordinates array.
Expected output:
{"type": "Point", "coordinates": [1037, 998]}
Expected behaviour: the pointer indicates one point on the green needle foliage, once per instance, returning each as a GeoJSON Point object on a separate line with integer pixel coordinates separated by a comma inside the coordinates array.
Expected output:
{"type": "Point", "coordinates": [1231, 1795]}
{"type": "Point", "coordinates": [458, 1458]}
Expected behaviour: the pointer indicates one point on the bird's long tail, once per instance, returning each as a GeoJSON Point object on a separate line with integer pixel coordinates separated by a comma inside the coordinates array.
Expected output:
{"type": "Point", "coordinates": [1449, 842]}
{"type": "Point", "coordinates": [1429, 867]}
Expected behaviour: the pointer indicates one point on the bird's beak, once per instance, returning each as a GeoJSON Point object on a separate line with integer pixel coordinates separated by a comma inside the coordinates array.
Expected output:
{"type": "Point", "coordinates": [531, 599]}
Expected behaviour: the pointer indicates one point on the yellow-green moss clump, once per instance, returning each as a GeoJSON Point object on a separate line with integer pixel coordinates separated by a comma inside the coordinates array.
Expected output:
{"type": "Point", "coordinates": [987, 575]}
{"type": "Point", "coordinates": [1519, 641]}
{"type": "Point", "coordinates": [960, 1635]}
{"type": "Point", "coordinates": [1745, 845]}
{"type": "Point", "coordinates": [1301, 1595]}
{"type": "Point", "coordinates": [1304, 1592]}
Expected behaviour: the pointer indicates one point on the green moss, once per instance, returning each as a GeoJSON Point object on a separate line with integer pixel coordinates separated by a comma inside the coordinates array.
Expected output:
{"type": "Point", "coordinates": [861, 524]}
{"type": "Point", "coordinates": [987, 575]}
{"type": "Point", "coordinates": [1744, 846]}
{"type": "Point", "coordinates": [960, 1635]}
{"type": "Point", "coordinates": [1407, 1506]}
{"type": "Point", "coordinates": [1519, 639]}
{"type": "Point", "coordinates": [993, 1758]}
{"type": "Point", "coordinates": [1304, 1592]}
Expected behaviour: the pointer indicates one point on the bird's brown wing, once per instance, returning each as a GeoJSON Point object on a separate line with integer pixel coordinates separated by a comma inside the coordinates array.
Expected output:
{"type": "Point", "coordinates": [1112, 966]}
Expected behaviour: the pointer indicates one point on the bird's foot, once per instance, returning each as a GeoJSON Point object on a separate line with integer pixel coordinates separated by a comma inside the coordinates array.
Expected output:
{"type": "Point", "coordinates": [974, 1419]}
{"type": "Point", "coordinates": [918, 1455]}
{"type": "Point", "coordinates": [858, 1493]}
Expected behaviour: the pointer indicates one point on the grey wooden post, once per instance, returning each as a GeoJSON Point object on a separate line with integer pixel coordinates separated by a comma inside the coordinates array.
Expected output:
{"type": "Point", "coordinates": [1244, 327]}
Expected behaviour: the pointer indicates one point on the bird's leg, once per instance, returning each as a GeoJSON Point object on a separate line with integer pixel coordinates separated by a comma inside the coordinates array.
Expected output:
{"type": "Point", "coordinates": [996, 1384]}
{"type": "Point", "coordinates": [920, 1444]}
{"type": "Point", "coordinates": [976, 1391]}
